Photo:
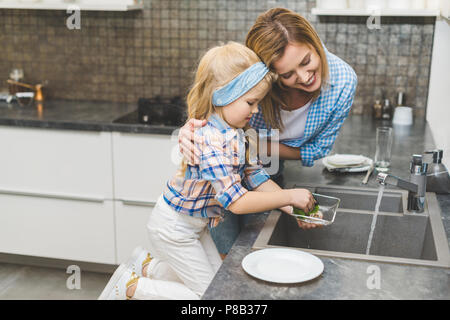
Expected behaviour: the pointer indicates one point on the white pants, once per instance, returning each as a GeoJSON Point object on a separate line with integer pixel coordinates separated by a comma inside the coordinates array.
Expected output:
{"type": "Point", "coordinates": [185, 256]}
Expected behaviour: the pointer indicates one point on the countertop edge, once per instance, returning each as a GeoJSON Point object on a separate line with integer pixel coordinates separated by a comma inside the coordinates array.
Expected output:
{"type": "Point", "coordinates": [87, 126]}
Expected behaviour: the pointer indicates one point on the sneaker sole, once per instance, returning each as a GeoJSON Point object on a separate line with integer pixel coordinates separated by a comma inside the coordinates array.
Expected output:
{"type": "Point", "coordinates": [106, 294]}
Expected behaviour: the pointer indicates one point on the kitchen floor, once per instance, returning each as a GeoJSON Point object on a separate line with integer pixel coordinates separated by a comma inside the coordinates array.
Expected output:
{"type": "Point", "coordinates": [41, 283]}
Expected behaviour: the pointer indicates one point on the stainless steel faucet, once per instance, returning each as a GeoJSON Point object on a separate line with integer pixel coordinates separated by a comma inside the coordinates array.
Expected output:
{"type": "Point", "coordinates": [416, 185]}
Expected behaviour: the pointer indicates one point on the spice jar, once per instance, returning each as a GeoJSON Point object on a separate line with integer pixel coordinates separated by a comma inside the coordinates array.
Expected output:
{"type": "Point", "coordinates": [377, 109]}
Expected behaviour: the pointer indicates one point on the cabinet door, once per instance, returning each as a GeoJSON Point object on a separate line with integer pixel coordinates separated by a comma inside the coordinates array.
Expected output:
{"type": "Point", "coordinates": [48, 162]}
{"type": "Point", "coordinates": [142, 165]}
{"type": "Point", "coordinates": [131, 227]}
{"type": "Point", "coordinates": [57, 228]}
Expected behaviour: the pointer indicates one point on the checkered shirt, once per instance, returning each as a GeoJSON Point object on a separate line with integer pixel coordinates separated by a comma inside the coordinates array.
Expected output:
{"type": "Point", "coordinates": [214, 183]}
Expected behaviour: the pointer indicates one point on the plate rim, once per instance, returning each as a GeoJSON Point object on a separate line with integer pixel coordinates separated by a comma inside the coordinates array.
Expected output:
{"type": "Point", "coordinates": [347, 154]}
{"type": "Point", "coordinates": [296, 251]}
{"type": "Point", "coordinates": [330, 167]}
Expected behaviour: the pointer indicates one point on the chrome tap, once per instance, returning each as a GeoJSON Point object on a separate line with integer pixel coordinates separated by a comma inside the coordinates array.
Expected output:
{"type": "Point", "coordinates": [416, 185]}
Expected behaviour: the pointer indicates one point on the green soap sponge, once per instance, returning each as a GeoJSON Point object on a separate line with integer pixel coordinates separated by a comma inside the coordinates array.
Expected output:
{"type": "Point", "coordinates": [303, 213]}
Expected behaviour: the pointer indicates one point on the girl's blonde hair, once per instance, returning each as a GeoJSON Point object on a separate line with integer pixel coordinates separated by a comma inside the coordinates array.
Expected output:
{"type": "Point", "coordinates": [269, 36]}
{"type": "Point", "coordinates": [218, 66]}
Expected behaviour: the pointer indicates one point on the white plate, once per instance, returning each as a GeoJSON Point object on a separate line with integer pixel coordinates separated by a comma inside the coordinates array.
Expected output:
{"type": "Point", "coordinates": [281, 265]}
{"type": "Point", "coordinates": [360, 168]}
{"type": "Point", "coordinates": [343, 160]}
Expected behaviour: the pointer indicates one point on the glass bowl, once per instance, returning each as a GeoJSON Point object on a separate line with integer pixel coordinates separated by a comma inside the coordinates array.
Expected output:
{"type": "Point", "coordinates": [327, 206]}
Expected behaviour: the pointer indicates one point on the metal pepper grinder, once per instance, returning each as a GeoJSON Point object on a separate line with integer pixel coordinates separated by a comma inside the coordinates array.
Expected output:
{"type": "Point", "coordinates": [387, 110]}
{"type": "Point", "coordinates": [438, 179]}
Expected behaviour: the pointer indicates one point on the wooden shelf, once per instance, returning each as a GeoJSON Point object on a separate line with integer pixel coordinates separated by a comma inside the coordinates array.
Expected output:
{"type": "Point", "coordinates": [65, 6]}
{"type": "Point", "coordinates": [383, 12]}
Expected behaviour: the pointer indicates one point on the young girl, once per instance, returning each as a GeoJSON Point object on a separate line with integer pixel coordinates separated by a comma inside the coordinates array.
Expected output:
{"type": "Point", "coordinates": [230, 83]}
{"type": "Point", "coordinates": [312, 97]}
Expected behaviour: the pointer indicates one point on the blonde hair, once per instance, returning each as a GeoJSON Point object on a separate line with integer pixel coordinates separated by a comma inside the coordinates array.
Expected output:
{"type": "Point", "coordinates": [218, 66]}
{"type": "Point", "coordinates": [269, 36]}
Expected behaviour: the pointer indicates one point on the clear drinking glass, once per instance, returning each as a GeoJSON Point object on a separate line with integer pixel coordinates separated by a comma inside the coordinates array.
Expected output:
{"type": "Point", "coordinates": [384, 140]}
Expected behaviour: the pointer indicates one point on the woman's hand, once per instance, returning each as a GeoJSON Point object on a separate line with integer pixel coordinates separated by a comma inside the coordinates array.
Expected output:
{"type": "Point", "coordinates": [306, 225]}
{"type": "Point", "coordinates": [303, 199]}
{"type": "Point", "coordinates": [186, 140]}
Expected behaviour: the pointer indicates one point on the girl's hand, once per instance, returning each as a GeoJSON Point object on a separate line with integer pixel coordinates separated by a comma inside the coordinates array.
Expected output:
{"type": "Point", "coordinates": [186, 140]}
{"type": "Point", "coordinates": [287, 209]}
{"type": "Point", "coordinates": [302, 224]}
{"type": "Point", "coordinates": [303, 199]}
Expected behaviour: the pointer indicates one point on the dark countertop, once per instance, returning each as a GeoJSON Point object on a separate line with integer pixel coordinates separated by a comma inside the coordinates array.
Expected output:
{"type": "Point", "coordinates": [76, 115]}
{"type": "Point", "coordinates": [342, 278]}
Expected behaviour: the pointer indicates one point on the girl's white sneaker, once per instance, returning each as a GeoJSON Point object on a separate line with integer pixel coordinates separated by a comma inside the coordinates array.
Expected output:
{"type": "Point", "coordinates": [138, 260]}
{"type": "Point", "coordinates": [117, 286]}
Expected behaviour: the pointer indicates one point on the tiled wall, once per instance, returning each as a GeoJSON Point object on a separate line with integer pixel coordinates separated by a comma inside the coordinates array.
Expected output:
{"type": "Point", "coordinates": [121, 56]}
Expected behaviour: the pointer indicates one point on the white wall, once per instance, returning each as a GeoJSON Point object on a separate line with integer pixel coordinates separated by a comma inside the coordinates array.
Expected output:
{"type": "Point", "coordinates": [438, 109]}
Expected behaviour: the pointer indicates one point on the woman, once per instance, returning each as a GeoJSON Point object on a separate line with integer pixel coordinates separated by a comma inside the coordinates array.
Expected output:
{"type": "Point", "coordinates": [311, 97]}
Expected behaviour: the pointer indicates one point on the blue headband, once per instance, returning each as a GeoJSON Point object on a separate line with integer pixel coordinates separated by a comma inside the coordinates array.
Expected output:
{"type": "Point", "coordinates": [240, 85]}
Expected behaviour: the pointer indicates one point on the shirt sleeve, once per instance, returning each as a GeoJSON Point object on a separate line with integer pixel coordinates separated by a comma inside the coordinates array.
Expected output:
{"type": "Point", "coordinates": [257, 121]}
{"type": "Point", "coordinates": [255, 176]}
{"type": "Point", "coordinates": [216, 167]}
{"type": "Point", "coordinates": [322, 144]}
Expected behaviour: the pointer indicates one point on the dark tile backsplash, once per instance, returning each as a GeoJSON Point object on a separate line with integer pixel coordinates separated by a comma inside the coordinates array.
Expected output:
{"type": "Point", "coordinates": [121, 56]}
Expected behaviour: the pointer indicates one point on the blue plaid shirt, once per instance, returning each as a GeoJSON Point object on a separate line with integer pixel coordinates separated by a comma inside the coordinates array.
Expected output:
{"type": "Point", "coordinates": [215, 183]}
{"type": "Point", "coordinates": [326, 114]}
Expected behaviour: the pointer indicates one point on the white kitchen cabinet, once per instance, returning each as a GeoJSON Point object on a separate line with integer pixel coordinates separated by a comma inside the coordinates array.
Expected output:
{"type": "Point", "coordinates": [56, 190]}
{"type": "Point", "coordinates": [142, 165]}
{"type": "Point", "coordinates": [57, 228]}
{"type": "Point", "coordinates": [131, 231]}
{"type": "Point", "coordinates": [59, 163]}
{"type": "Point", "coordinates": [80, 195]}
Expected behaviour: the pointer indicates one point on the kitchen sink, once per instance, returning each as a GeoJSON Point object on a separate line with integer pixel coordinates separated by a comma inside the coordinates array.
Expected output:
{"type": "Point", "coordinates": [365, 200]}
{"type": "Point", "coordinates": [398, 236]}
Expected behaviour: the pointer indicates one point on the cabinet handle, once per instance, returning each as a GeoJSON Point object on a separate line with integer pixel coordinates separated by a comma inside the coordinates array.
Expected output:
{"type": "Point", "coordinates": [52, 195]}
{"type": "Point", "coordinates": [138, 202]}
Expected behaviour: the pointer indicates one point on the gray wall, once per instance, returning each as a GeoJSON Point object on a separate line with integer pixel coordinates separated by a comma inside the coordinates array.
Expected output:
{"type": "Point", "coordinates": [121, 56]}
